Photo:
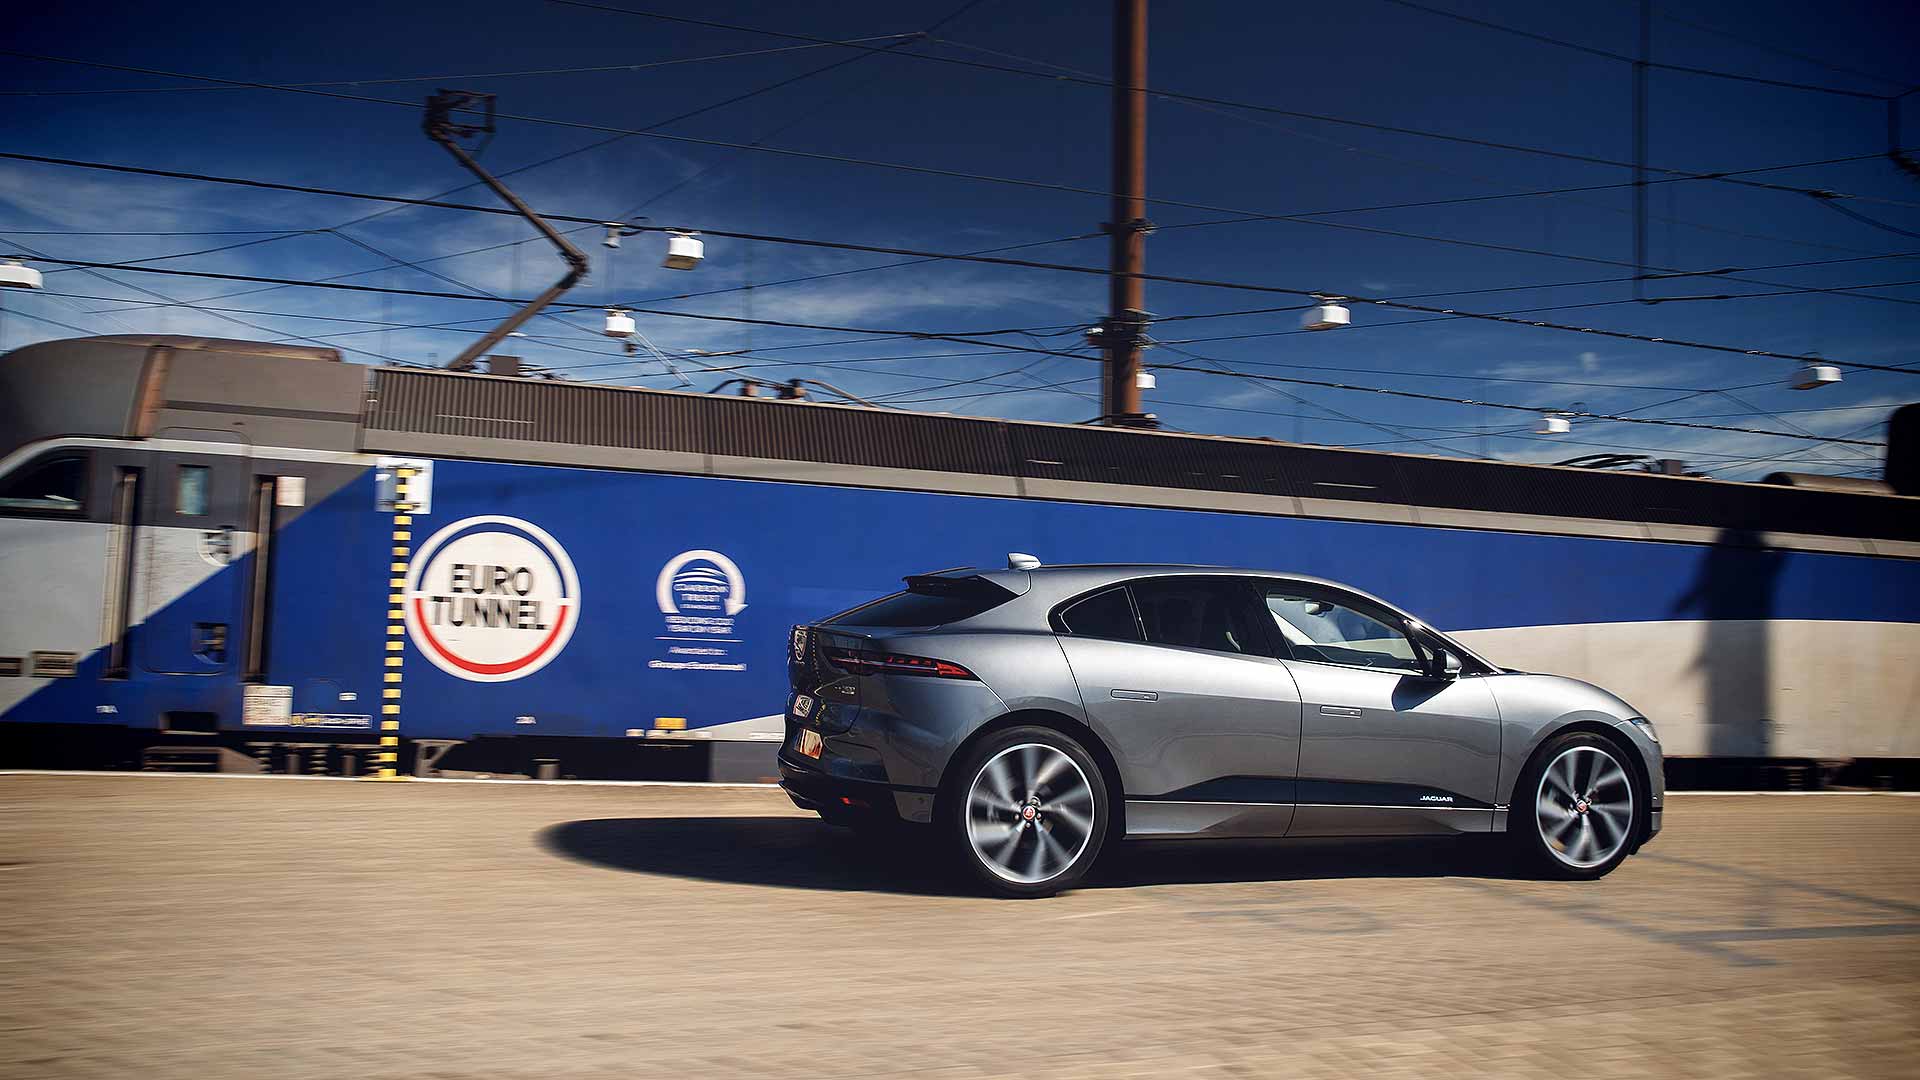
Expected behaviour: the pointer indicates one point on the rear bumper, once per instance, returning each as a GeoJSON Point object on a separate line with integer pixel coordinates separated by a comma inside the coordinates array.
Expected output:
{"type": "Point", "coordinates": [812, 789]}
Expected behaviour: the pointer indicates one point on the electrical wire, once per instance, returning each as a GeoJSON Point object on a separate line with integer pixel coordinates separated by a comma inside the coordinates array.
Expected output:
{"type": "Point", "coordinates": [934, 336]}
{"type": "Point", "coordinates": [1174, 96]}
{"type": "Point", "coordinates": [1509, 407]}
{"type": "Point", "coordinates": [764, 238]}
{"type": "Point", "coordinates": [95, 272]}
{"type": "Point", "coordinates": [1623, 58]}
{"type": "Point", "coordinates": [950, 173]}
{"type": "Point", "coordinates": [1668, 16]}
{"type": "Point", "coordinates": [455, 78]}
{"type": "Point", "coordinates": [1433, 167]}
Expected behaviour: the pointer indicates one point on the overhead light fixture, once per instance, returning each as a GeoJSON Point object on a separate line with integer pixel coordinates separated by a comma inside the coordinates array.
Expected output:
{"type": "Point", "coordinates": [1144, 380]}
{"type": "Point", "coordinates": [1328, 314]}
{"type": "Point", "coordinates": [612, 239]}
{"type": "Point", "coordinates": [15, 276]}
{"type": "Point", "coordinates": [684, 251]}
{"type": "Point", "coordinates": [1815, 376]}
{"type": "Point", "coordinates": [619, 324]}
{"type": "Point", "coordinates": [1554, 425]}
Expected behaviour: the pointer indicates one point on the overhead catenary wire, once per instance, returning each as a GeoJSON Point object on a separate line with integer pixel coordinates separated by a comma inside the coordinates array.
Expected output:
{"type": "Point", "coordinates": [1240, 215]}
{"type": "Point", "coordinates": [1609, 54]}
{"type": "Point", "coordinates": [1175, 96]}
{"type": "Point", "coordinates": [1665, 14]}
{"type": "Point", "coordinates": [958, 257]}
{"type": "Point", "coordinates": [1535, 409]}
{"type": "Point", "coordinates": [595, 69]}
{"type": "Point", "coordinates": [1720, 177]}
{"type": "Point", "coordinates": [1174, 367]}
{"type": "Point", "coordinates": [1638, 183]}
{"type": "Point", "coordinates": [1381, 302]}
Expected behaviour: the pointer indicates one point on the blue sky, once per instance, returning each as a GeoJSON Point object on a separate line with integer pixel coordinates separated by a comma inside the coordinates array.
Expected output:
{"type": "Point", "coordinates": [1371, 60]}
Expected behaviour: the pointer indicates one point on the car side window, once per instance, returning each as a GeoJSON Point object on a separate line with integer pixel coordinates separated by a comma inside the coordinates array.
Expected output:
{"type": "Point", "coordinates": [1322, 628]}
{"type": "Point", "coordinates": [1200, 613]}
{"type": "Point", "coordinates": [1106, 614]}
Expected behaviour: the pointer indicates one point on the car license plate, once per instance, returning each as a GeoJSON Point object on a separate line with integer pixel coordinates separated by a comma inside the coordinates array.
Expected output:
{"type": "Point", "coordinates": [802, 706]}
{"type": "Point", "coordinates": [808, 743]}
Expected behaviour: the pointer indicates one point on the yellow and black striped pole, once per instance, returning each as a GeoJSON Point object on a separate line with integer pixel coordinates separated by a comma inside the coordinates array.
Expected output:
{"type": "Point", "coordinates": [387, 759]}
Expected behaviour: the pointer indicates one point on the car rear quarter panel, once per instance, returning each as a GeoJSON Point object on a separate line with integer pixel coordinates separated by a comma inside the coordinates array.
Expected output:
{"type": "Point", "coordinates": [918, 723]}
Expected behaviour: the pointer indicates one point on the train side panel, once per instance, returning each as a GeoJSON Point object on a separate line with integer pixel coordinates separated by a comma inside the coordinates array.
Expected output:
{"type": "Point", "coordinates": [547, 600]}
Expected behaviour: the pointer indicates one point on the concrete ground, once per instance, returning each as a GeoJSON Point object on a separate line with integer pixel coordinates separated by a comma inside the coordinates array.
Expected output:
{"type": "Point", "coordinates": [214, 928]}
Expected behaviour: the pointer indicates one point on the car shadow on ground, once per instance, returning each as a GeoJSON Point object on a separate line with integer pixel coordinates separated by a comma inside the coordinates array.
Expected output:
{"type": "Point", "coordinates": [806, 853]}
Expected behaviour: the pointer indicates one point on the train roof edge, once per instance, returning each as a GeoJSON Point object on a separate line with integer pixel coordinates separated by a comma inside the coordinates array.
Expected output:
{"type": "Point", "coordinates": [142, 385]}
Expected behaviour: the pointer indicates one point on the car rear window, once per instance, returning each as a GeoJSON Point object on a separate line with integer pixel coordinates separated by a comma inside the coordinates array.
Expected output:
{"type": "Point", "coordinates": [1103, 615]}
{"type": "Point", "coordinates": [928, 602]}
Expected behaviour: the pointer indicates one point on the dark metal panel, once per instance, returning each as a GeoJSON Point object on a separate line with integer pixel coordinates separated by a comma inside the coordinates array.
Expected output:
{"type": "Point", "coordinates": [744, 427]}
{"type": "Point", "coordinates": [1107, 456]}
{"type": "Point", "coordinates": [515, 410]}
{"type": "Point", "coordinates": [480, 407]}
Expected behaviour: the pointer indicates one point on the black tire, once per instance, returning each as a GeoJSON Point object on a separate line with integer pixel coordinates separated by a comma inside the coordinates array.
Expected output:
{"type": "Point", "coordinates": [1067, 823]}
{"type": "Point", "coordinates": [1550, 824]}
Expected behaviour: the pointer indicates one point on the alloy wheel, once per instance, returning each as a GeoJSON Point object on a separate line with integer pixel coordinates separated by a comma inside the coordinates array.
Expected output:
{"type": "Point", "coordinates": [1584, 807]}
{"type": "Point", "coordinates": [1030, 813]}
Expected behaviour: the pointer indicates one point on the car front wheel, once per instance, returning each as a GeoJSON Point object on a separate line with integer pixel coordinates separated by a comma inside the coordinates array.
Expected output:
{"type": "Point", "coordinates": [1577, 808]}
{"type": "Point", "coordinates": [1029, 813]}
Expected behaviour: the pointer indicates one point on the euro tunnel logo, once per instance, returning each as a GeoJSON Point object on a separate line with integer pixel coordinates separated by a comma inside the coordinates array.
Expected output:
{"type": "Point", "coordinates": [491, 599]}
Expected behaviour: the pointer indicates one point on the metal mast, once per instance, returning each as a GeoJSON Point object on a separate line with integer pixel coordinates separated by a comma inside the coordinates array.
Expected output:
{"type": "Point", "coordinates": [1126, 323]}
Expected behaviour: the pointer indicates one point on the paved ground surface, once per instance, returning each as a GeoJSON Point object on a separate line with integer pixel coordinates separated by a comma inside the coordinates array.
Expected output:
{"type": "Point", "coordinates": [211, 928]}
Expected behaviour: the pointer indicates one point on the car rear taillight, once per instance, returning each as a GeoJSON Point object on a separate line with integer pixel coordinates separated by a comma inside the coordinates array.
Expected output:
{"type": "Point", "coordinates": [866, 662]}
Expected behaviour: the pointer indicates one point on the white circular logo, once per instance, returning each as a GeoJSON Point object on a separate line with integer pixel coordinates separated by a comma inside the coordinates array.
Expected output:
{"type": "Point", "coordinates": [491, 599]}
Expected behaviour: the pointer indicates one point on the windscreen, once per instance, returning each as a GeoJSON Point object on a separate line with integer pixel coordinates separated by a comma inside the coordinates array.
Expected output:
{"type": "Point", "coordinates": [928, 601]}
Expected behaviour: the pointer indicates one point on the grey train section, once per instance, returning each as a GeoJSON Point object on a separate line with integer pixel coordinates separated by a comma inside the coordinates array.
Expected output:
{"type": "Point", "coordinates": [206, 565]}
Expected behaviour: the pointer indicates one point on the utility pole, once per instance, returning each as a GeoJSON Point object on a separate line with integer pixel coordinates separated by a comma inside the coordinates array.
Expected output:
{"type": "Point", "coordinates": [1640, 151]}
{"type": "Point", "coordinates": [1125, 330]}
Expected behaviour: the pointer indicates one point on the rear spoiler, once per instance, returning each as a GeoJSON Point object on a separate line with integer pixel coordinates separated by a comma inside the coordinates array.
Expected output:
{"type": "Point", "coordinates": [911, 578]}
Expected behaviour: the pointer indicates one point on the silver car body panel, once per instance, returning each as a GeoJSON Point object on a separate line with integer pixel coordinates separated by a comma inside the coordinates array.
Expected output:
{"type": "Point", "coordinates": [1214, 744]}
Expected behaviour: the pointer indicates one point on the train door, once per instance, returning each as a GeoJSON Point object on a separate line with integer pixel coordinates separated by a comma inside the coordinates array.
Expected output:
{"type": "Point", "coordinates": [193, 523]}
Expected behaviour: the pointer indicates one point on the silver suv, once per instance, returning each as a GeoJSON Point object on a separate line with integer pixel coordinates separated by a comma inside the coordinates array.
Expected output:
{"type": "Point", "coordinates": [1031, 715]}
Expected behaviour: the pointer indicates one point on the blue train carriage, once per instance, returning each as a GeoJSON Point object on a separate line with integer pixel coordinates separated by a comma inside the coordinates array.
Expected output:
{"type": "Point", "coordinates": [225, 554]}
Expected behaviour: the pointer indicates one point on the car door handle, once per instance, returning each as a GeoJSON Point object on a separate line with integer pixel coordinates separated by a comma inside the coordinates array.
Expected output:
{"type": "Point", "coordinates": [1339, 710]}
{"type": "Point", "coordinates": [1136, 695]}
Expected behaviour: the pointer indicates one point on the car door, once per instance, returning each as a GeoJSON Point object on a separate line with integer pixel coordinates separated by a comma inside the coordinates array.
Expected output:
{"type": "Point", "coordinates": [1392, 741]}
{"type": "Point", "coordinates": [1178, 678]}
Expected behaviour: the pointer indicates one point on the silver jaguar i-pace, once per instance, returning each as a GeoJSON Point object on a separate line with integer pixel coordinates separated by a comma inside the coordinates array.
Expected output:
{"type": "Point", "coordinates": [1034, 714]}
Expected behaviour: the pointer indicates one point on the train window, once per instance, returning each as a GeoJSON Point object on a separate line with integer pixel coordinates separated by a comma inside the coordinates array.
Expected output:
{"type": "Point", "coordinates": [55, 484]}
{"type": "Point", "coordinates": [1103, 615]}
{"type": "Point", "coordinates": [190, 491]}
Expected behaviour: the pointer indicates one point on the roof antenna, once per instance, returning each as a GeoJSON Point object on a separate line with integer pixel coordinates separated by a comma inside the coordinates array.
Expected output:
{"type": "Point", "coordinates": [443, 129]}
{"type": "Point", "coordinates": [1020, 560]}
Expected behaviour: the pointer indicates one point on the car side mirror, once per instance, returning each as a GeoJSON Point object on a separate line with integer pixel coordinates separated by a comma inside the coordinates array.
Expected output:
{"type": "Point", "coordinates": [1442, 663]}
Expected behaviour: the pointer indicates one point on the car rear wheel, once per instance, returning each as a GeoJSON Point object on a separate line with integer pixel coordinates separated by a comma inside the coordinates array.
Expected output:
{"type": "Point", "coordinates": [1029, 813]}
{"type": "Point", "coordinates": [1577, 808]}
